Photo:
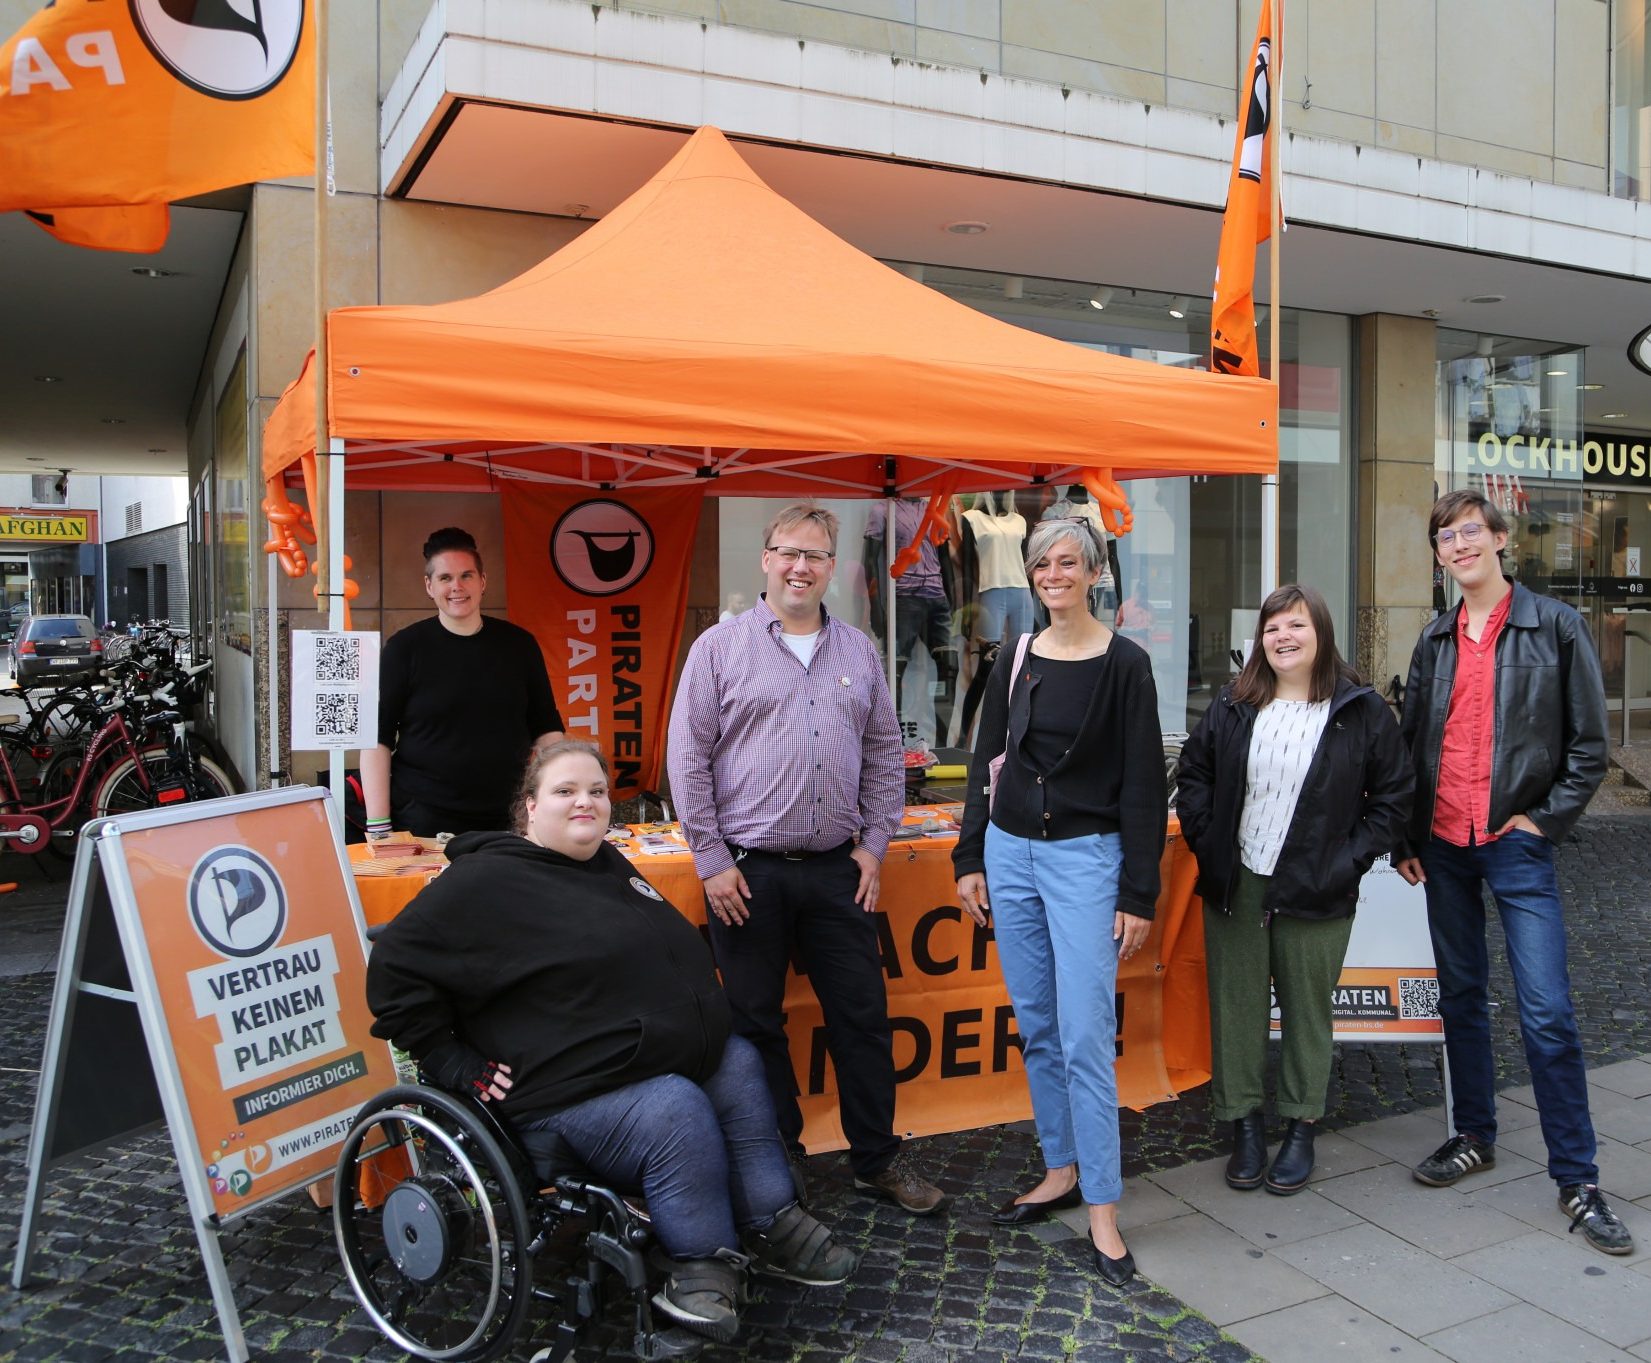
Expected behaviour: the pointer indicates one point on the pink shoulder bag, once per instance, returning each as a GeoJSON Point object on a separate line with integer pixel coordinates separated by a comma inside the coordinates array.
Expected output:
{"type": "Point", "coordinates": [996, 764]}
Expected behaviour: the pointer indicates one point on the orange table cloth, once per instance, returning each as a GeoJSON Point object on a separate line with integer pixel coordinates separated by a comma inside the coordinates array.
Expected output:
{"type": "Point", "coordinates": [956, 1050]}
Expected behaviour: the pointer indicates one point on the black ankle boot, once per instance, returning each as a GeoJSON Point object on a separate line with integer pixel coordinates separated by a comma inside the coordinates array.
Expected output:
{"type": "Point", "coordinates": [1249, 1158]}
{"type": "Point", "coordinates": [1293, 1164]}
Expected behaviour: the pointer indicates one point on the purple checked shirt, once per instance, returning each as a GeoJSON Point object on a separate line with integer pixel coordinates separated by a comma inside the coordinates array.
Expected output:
{"type": "Point", "coordinates": [766, 753]}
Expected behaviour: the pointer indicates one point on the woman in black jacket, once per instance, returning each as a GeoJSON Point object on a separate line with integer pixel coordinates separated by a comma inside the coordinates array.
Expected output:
{"type": "Point", "coordinates": [542, 973]}
{"type": "Point", "coordinates": [1293, 784]}
{"type": "Point", "coordinates": [1069, 848]}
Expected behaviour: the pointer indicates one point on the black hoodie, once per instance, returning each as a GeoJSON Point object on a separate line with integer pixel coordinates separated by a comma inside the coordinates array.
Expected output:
{"type": "Point", "coordinates": [576, 974]}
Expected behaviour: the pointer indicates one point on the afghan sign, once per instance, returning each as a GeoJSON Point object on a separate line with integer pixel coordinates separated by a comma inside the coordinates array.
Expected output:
{"type": "Point", "coordinates": [36, 528]}
{"type": "Point", "coordinates": [602, 582]}
{"type": "Point", "coordinates": [213, 974]}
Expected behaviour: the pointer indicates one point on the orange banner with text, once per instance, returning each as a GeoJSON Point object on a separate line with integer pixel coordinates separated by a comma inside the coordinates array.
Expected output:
{"type": "Point", "coordinates": [260, 974]}
{"type": "Point", "coordinates": [602, 583]}
{"type": "Point", "coordinates": [956, 1047]}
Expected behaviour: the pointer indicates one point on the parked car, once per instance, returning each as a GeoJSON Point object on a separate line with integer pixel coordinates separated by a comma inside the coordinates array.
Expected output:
{"type": "Point", "coordinates": [50, 646]}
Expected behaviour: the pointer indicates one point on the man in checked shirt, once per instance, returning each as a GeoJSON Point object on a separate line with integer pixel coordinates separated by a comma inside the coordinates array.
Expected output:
{"type": "Point", "coordinates": [785, 766]}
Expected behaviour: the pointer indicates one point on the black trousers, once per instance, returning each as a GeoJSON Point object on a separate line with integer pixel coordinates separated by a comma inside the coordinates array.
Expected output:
{"type": "Point", "coordinates": [808, 906]}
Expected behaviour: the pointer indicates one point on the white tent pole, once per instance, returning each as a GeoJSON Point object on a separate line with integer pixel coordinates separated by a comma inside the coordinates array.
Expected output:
{"type": "Point", "coordinates": [1271, 548]}
{"type": "Point", "coordinates": [886, 586]}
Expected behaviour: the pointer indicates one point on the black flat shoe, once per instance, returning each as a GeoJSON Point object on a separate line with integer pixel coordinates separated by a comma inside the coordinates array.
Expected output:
{"type": "Point", "coordinates": [1117, 1271]}
{"type": "Point", "coordinates": [1025, 1213]}
{"type": "Point", "coordinates": [1248, 1165]}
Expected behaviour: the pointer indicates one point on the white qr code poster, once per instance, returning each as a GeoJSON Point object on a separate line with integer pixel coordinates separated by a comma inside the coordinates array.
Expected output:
{"type": "Point", "coordinates": [334, 689]}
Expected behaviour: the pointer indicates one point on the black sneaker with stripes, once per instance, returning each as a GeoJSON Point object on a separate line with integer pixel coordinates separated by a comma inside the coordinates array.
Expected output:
{"type": "Point", "coordinates": [1592, 1215]}
{"type": "Point", "coordinates": [1458, 1156]}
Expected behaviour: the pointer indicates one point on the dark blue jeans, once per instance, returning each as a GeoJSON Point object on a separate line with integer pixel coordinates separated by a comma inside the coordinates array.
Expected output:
{"type": "Point", "coordinates": [1518, 869]}
{"type": "Point", "coordinates": [706, 1156]}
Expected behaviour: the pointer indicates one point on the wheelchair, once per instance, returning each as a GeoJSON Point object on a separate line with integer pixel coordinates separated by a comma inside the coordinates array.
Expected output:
{"type": "Point", "coordinates": [443, 1225]}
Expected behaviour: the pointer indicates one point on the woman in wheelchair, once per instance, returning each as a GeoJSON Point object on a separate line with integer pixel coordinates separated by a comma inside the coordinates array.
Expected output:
{"type": "Point", "coordinates": [543, 973]}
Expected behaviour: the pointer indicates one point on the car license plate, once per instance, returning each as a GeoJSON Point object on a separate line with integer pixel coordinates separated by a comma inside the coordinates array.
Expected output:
{"type": "Point", "coordinates": [64, 662]}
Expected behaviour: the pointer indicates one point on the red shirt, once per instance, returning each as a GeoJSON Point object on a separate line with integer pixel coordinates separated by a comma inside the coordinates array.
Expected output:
{"type": "Point", "coordinates": [1461, 808]}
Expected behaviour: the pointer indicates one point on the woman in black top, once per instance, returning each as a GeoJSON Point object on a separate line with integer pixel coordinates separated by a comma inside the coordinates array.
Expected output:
{"type": "Point", "coordinates": [1070, 847]}
{"type": "Point", "coordinates": [462, 699]}
{"type": "Point", "coordinates": [543, 974]}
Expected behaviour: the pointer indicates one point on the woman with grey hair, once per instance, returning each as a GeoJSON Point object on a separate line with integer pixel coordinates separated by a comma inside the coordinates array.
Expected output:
{"type": "Point", "coordinates": [1069, 843]}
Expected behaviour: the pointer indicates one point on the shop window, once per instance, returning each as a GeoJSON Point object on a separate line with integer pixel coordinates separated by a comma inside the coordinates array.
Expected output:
{"type": "Point", "coordinates": [49, 489]}
{"type": "Point", "coordinates": [1631, 101]}
{"type": "Point", "coordinates": [1186, 583]}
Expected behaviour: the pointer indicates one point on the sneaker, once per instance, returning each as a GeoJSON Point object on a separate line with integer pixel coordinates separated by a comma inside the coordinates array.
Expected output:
{"type": "Point", "coordinates": [900, 1183]}
{"type": "Point", "coordinates": [703, 1295]}
{"type": "Point", "coordinates": [1588, 1209]}
{"type": "Point", "coordinates": [799, 1249]}
{"type": "Point", "coordinates": [1458, 1156]}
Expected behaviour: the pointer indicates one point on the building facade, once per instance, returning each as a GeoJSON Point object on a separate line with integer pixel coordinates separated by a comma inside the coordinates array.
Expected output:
{"type": "Point", "coordinates": [1467, 266]}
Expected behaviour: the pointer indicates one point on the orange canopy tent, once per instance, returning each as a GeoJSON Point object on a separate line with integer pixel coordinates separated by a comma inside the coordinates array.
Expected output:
{"type": "Point", "coordinates": [708, 333]}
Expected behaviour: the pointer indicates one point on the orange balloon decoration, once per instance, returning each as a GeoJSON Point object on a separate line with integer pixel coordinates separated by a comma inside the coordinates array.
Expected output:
{"type": "Point", "coordinates": [1109, 498]}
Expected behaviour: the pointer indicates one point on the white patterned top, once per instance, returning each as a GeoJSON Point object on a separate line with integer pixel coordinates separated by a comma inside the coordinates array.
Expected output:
{"type": "Point", "coordinates": [1282, 744]}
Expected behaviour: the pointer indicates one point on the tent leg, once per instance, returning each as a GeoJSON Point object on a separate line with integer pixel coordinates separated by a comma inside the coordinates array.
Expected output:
{"type": "Point", "coordinates": [887, 588]}
{"type": "Point", "coordinates": [1269, 534]}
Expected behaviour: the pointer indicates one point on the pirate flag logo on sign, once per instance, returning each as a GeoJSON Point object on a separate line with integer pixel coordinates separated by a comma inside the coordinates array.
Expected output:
{"type": "Point", "coordinates": [229, 49]}
{"type": "Point", "coordinates": [601, 547]}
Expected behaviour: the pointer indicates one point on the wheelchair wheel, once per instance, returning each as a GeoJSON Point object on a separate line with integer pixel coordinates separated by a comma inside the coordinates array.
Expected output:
{"type": "Point", "coordinates": [442, 1266]}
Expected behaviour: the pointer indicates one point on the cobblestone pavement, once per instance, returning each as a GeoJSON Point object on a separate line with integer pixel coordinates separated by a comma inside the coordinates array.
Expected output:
{"type": "Point", "coordinates": [117, 1275]}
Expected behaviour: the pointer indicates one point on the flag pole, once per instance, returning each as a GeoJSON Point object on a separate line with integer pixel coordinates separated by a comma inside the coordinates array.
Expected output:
{"type": "Point", "coordinates": [1271, 566]}
{"type": "Point", "coordinates": [320, 512]}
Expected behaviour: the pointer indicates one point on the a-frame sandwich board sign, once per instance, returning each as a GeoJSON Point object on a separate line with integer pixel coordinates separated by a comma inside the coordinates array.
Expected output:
{"type": "Point", "coordinates": [230, 933]}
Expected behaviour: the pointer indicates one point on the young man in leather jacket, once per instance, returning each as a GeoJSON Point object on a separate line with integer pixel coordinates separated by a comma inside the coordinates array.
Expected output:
{"type": "Point", "coordinates": [1504, 717]}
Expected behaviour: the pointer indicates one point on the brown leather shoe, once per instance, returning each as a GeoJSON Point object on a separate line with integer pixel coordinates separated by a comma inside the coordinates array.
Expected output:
{"type": "Point", "coordinates": [901, 1184]}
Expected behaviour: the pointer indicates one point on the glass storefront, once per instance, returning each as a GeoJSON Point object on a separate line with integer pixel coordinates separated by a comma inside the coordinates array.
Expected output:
{"type": "Point", "coordinates": [1185, 583]}
{"type": "Point", "coordinates": [1630, 101]}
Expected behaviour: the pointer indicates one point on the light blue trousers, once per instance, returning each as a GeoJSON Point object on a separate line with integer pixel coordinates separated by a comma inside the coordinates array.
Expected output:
{"type": "Point", "coordinates": [1052, 909]}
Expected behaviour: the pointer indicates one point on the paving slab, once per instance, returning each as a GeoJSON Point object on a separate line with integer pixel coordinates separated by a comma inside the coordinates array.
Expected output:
{"type": "Point", "coordinates": [1261, 1217]}
{"type": "Point", "coordinates": [1217, 1272]}
{"type": "Point", "coordinates": [1624, 1170]}
{"type": "Point", "coordinates": [1631, 1078]}
{"type": "Point", "coordinates": [1406, 1287]}
{"type": "Point", "coordinates": [1408, 1139]}
{"type": "Point", "coordinates": [1144, 1204]}
{"type": "Point", "coordinates": [1620, 1117]}
{"type": "Point", "coordinates": [1389, 1197]}
{"type": "Point", "coordinates": [1597, 1292]}
{"type": "Point", "coordinates": [1329, 1328]}
{"type": "Point", "coordinates": [1523, 1334]}
{"type": "Point", "coordinates": [1535, 1201]}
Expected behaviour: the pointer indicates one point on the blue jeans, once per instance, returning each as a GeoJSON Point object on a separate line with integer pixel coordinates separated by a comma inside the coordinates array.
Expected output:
{"type": "Point", "coordinates": [706, 1156]}
{"type": "Point", "coordinates": [1518, 868]}
{"type": "Point", "coordinates": [1052, 910]}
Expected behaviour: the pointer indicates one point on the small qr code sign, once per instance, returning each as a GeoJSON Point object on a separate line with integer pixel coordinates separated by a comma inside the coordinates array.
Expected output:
{"type": "Point", "coordinates": [1418, 997]}
{"type": "Point", "coordinates": [334, 689]}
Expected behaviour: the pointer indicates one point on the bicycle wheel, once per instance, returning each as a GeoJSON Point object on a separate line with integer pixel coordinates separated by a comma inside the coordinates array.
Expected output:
{"type": "Point", "coordinates": [124, 790]}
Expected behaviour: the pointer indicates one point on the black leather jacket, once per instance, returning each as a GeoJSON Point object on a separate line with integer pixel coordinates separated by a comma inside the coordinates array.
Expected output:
{"type": "Point", "coordinates": [1549, 754]}
{"type": "Point", "coordinates": [1352, 804]}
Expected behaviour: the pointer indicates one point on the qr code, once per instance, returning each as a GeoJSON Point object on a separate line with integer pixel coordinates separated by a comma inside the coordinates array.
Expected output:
{"type": "Point", "coordinates": [337, 660]}
{"type": "Point", "coordinates": [1418, 997]}
{"type": "Point", "coordinates": [337, 715]}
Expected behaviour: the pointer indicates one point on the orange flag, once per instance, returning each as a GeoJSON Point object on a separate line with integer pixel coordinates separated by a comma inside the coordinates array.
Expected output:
{"type": "Point", "coordinates": [1248, 220]}
{"type": "Point", "coordinates": [107, 104]}
{"type": "Point", "coordinates": [140, 227]}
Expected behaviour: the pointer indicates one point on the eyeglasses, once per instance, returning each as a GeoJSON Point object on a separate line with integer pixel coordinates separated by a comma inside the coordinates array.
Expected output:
{"type": "Point", "coordinates": [1470, 535]}
{"type": "Point", "coordinates": [817, 558]}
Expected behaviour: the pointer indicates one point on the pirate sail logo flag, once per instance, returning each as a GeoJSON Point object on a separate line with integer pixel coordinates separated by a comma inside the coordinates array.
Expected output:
{"type": "Point", "coordinates": [607, 598]}
{"type": "Point", "coordinates": [1248, 220]}
{"type": "Point", "coordinates": [127, 105]}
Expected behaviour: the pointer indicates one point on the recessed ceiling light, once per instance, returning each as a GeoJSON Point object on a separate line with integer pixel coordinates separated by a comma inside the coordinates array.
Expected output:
{"type": "Point", "coordinates": [35, 458]}
{"type": "Point", "coordinates": [1556, 373]}
{"type": "Point", "coordinates": [1178, 305]}
{"type": "Point", "coordinates": [1014, 287]}
{"type": "Point", "coordinates": [967, 228]}
{"type": "Point", "coordinates": [1612, 416]}
{"type": "Point", "coordinates": [150, 272]}
{"type": "Point", "coordinates": [1101, 297]}
{"type": "Point", "coordinates": [1485, 298]}
{"type": "Point", "coordinates": [1590, 387]}
{"type": "Point", "coordinates": [48, 378]}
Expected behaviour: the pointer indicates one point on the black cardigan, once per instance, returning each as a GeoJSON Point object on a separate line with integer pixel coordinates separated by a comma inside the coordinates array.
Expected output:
{"type": "Point", "coordinates": [1110, 781]}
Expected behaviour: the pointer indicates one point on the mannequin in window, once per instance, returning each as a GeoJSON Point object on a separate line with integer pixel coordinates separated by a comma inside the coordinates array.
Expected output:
{"type": "Point", "coordinates": [994, 580]}
{"type": "Point", "coordinates": [1076, 504]}
{"type": "Point", "coordinates": [923, 598]}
